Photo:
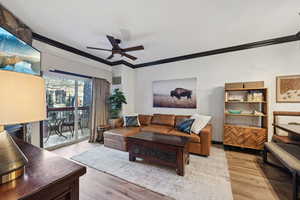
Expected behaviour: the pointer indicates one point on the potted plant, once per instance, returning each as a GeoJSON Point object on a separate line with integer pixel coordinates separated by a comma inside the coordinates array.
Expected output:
{"type": "Point", "coordinates": [116, 100]}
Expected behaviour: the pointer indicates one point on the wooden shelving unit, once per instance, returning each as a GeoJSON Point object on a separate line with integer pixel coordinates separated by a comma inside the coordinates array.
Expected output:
{"type": "Point", "coordinates": [246, 130]}
{"type": "Point", "coordinates": [244, 89]}
{"type": "Point", "coordinates": [245, 102]}
{"type": "Point", "coordinates": [245, 115]}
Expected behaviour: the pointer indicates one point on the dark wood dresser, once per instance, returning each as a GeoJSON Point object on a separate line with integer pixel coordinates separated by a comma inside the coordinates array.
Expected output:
{"type": "Point", "coordinates": [47, 177]}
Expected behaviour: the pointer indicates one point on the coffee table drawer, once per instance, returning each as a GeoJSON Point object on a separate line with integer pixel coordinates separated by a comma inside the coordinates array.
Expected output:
{"type": "Point", "coordinates": [149, 151]}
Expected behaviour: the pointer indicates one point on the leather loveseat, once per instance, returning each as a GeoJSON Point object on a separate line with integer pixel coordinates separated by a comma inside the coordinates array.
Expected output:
{"type": "Point", "coordinates": [159, 123]}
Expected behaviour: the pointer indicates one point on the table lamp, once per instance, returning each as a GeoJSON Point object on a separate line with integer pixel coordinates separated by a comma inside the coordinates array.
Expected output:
{"type": "Point", "coordinates": [22, 100]}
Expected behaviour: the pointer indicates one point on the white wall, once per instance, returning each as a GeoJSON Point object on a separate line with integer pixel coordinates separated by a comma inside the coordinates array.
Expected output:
{"type": "Point", "coordinates": [128, 87]}
{"type": "Point", "coordinates": [127, 75]}
{"type": "Point", "coordinates": [54, 58]}
{"type": "Point", "coordinates": [212, 72]}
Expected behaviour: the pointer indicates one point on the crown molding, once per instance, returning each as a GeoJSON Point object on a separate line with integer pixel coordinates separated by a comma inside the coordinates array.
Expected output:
{"type": "Point", "coordinates": [68, 48]}
{"type": "Point", "coordinates": [262, 43]}
{"type": "Point", "coordinates": [122, 62]}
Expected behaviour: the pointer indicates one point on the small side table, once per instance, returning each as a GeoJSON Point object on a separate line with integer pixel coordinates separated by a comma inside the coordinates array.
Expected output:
{"type": "Point", "coordinates": [100, 130]}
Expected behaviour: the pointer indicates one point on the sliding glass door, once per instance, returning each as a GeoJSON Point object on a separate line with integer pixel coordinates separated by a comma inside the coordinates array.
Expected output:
{"type": "Point", "coordinates": [69, 101]}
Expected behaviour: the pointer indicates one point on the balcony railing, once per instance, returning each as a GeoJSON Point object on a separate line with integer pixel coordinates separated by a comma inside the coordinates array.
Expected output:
{"type": "Point", "coordinates": [60, 126]}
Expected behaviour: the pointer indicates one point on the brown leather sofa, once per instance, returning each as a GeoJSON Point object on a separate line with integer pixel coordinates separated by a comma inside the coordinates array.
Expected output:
{"type": "Point", "coordinates": [160, 123]}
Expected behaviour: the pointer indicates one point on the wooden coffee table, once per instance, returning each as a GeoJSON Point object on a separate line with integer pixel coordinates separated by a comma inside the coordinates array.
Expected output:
{"type": "Point", "coordinates": [158, 148]}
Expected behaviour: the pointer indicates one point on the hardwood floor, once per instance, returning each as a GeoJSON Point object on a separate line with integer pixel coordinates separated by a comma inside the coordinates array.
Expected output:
{"type": "Point", "coordinates": [96, 185]}
{"type": "Point", "coordinates": [253, 180]}
{"type": "Point", "coordinates": [250, 180]}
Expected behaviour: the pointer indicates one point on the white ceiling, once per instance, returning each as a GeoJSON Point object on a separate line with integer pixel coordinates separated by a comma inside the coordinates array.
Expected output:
{"type": "Point", "coordinates": [166, 28]}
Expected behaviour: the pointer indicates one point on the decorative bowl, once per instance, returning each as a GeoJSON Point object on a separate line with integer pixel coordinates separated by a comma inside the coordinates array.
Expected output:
{"type": "Point", "coordinates": [234, 111]}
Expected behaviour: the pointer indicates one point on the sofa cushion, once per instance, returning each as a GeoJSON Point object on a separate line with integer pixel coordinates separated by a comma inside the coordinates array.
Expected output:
{"type": "Point", "coordinates": [185, 126]}
{"type": "Point", "coordinates": [126, 131]}
{"type": "Point", "coordinates": [194, 137]}
{"type": "Point", "coordinates": [206, 130]}
{"type": "Point", "coordinates": [116, 123]}
{"type": "Point", "coordinates": [162, 119]}
{"type": "Point", "coordinates": [180, 118]}
{"type": "Point", "coordinates": [145, 119]}
{"type": "Point", "coordinates": [116, 138]}
{"type": "Point", "coordinates": [157, 128]}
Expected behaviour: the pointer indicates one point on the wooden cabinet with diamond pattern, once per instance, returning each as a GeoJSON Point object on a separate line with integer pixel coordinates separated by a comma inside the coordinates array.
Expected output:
{"type": "Point", "coordinates": [245, 137]}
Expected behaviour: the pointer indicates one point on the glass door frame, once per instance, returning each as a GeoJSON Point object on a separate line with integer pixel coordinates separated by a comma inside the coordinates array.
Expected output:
{"type": "Point", "coordinates": [76, 78]}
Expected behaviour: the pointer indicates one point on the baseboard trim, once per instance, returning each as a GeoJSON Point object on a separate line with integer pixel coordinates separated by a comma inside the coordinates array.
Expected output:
{"type": "Point", "coordinates": [242, 150]}
{"type": "Point", "coordinates": [66, 144]}
{"type": "Point", "coordinates": [217, 142]}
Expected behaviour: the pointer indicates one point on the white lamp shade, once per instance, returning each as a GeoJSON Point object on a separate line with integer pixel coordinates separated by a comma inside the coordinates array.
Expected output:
{"type": "Point", "coordinates": [22, 98]}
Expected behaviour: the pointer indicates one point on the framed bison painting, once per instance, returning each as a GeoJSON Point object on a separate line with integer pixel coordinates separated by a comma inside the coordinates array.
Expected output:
{"type": "Point", "coordinates": [177, 93]}
{"type": "Point", "coordinates": [288, 89]}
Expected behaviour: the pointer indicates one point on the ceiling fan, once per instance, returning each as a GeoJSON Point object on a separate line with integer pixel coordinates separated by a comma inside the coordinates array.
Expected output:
{"type": "Point", "coordinates": [116, 49]}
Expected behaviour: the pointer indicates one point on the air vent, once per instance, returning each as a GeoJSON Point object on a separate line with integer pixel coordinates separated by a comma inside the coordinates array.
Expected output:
{"type": "Point", "coordinates": [117, 80]}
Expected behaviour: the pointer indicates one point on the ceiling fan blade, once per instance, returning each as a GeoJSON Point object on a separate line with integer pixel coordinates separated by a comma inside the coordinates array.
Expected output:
{"type": "Point", "coordinates": [113, 42]}
{"type": "Point", "coordinates": [129, 56]}
{"type": "Point", "coordinates": [110, 57]}
{"type": "Point", "coordinates": [95, 48]}
{"type": "Point", "coordinates": [137, 48]}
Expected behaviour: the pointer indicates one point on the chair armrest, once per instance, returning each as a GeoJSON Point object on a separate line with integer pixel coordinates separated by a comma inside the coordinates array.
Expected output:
{"type": "Point", "coordinates": [205, 139]}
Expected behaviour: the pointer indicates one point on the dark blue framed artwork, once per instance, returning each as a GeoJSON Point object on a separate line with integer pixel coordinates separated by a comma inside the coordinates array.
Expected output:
{"type": "Point", "coordinates": [18, 56]}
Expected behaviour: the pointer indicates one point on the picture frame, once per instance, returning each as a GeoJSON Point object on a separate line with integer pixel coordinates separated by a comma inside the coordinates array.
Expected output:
{"type": "Point", "coordinates": [288, 89]}
{"type": "Point", "coordinates": [175, 93]}
{"type": "Point", "coordinates": [17, 55]}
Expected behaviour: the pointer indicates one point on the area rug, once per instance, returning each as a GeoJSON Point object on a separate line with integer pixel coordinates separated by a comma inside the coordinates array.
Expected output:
{"type": "Point", "coordinates": [206, 178]}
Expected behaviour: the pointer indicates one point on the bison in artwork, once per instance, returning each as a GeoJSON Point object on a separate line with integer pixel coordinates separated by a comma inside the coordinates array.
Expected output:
{"type": "Point", "coordinates": [181, 92]}
{"type": "Point", "coordinates": [176, 93]}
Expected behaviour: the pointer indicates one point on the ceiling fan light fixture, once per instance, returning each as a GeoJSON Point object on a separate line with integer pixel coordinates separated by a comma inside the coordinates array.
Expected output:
{"type": "Point", "coordinates": [116, 49]}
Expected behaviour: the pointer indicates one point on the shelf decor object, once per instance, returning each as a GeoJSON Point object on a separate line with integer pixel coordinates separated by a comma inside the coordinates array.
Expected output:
{"type": "Point", "coordinates": [22, 101]}
{"type": "Point", "coordinates": [236, 112]}
{"type": "Point", "coordinates": [246, 120]}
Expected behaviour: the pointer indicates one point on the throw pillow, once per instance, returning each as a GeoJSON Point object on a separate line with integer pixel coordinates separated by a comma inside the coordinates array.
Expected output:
{"type": "Point", "coordinates": [131, 120]}
{"type": "Point", "coordinates": [200, 122]}
{"type": "Point", "coordinates": [186, 125]}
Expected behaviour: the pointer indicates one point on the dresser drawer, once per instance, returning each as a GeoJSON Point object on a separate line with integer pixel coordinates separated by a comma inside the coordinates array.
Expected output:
{"type": "Point", "coordinates": [64, 196]}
